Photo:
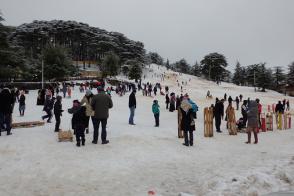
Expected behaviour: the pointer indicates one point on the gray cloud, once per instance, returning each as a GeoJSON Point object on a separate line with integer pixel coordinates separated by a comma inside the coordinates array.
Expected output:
{"type": "Point", "coordinates": [250, 31]}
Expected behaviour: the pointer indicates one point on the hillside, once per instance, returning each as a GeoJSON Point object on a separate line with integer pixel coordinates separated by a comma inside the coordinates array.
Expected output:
{"type": "Point", "coordinates": [142, 158]}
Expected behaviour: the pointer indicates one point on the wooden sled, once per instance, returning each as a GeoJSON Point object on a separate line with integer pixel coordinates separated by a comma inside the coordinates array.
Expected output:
{"type": "Point", "coordinates": [231, 118]}
{"type": "Point", "coordinates": [208, 122]}
{"type": "Point", "coordinates": [27, 124]}
{"type": "Point", "coordinates": [64, 136]}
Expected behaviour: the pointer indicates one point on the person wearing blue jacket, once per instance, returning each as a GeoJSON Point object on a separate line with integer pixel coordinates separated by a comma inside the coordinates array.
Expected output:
{"type": "Point", "coordinates": [155, 110]}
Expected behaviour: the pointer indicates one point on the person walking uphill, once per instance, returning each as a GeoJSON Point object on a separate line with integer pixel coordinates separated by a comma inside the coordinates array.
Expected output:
{"type": "Point", "coordinates": [155, 110]}
{"type": "Point", "coordinates": [132, 106]}
{"type": "Point", "coordinates": [57, 112]}
{"type": "Point", "coordinates": [252, 125]}
{"type": "Point", "coordinates": [101, 103]}
{"type": "Point", "coordinates": [78, 121]}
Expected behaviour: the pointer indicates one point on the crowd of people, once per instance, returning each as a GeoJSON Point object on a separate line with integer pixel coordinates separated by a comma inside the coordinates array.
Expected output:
{"type": "Point", "coordinates": [96, 107]}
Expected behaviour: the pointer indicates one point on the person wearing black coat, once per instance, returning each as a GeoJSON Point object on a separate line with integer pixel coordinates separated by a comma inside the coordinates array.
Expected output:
{"type": "Point", "coordinates": [166, 100]}
{"type": "Point", "coordinates": [48, 107]}
{"type": "Point", "coordinates": [187, 122]}
{"type": "Point", "coordinates": [57, 112]}
{"type": "Point", "coordinates": [218, 114]}
{"type": "Point", "coordinates": [6, 109]}
{"type": "Point", "coordinates": [230, 99]}
{"type": "Point", "coordinates": [132, 106]}
{"type": "Point", "coordinates": [79, 121]}
{"type": "Point", "coordinates": [22, 104]}
{"type": "Point", "coordinates": [279, 108]}
{"type": "Point", "coordinates": [244, 109]}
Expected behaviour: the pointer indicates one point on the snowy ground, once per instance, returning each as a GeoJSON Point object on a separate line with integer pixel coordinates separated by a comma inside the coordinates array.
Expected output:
{"type": "Point", "coordinates": [142, 158]}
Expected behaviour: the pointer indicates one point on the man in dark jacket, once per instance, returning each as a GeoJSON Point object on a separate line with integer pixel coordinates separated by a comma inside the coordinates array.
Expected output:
{"type": "Point", "coordinates": [48, 107]}
{"type": "Point", "coordinates": [218, 114]}
{"type": "Point", "coordinates": [57, 112]}
{"type": "Point", "coordinates": [6, 109]}
{"type": "Point", "coordinates": [132, 106]}
{"type": "Point", "coordinates": [244, 109]}
{"type": "Point", "coordinates": [101, 103]}
{"type": "Point", "coordinates": [279, 108]}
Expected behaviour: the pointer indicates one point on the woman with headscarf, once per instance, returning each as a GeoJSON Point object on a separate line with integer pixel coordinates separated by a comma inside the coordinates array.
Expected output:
{"type": "Point", "coordinates": [89, 112]}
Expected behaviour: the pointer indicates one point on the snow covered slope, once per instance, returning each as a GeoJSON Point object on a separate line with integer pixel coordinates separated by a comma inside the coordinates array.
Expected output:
{"type": "Point", "coordinates": [144, 158]}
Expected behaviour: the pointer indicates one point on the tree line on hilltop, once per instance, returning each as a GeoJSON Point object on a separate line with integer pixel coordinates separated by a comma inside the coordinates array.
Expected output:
{"type": "Point", "coordinates": [58, 43]}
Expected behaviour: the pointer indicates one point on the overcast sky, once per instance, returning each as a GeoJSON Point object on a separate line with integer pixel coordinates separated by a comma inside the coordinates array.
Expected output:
{"type": "Point", "coordinates": [250, 31]}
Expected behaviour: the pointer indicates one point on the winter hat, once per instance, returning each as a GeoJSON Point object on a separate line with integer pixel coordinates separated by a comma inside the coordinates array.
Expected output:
{"type": "Point", "coordinates": [76, 103]}
{"type": "Point", "coordinates": [186, 106]}
{"type": "Point", "coordinates": [155, 101]}
{"type": "Point", "coordinates": [58, 98]}
{"type": "Point", "coordinates": [88, 92]}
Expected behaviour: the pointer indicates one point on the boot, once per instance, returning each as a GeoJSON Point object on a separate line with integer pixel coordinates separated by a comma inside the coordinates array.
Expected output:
{"type": "Point", "coordinates": [255, 138]}
{"type": "Point", "coordinates": [87, 130]}
{"type": "Point", "coordinates": [83, 142]}
{"type": "Point", "coordinates": [249, 137]}
{"type": "Point", "coordinates": [78, 144]}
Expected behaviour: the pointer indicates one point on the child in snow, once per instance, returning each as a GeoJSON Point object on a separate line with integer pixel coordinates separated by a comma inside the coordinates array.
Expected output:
{"type": "Point", "coordinates": [78, 121]}
{"type": "Point", "coordinates": [22, 104]}
{"type": "Point", "coordinates": [155, 110]}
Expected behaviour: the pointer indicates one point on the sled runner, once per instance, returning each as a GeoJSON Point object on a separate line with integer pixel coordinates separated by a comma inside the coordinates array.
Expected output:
{"type": "Point", "coordinates": [64, 136]}
{"type": "Point", "coordinates": [27, 124]}
{"type": "Point", "coordinates": [208, 122]}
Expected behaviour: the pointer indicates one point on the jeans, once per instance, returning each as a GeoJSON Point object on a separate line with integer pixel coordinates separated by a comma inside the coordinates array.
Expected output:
{"type": "Point", "coordinates": [217, 122]}
{"type": "Point", "coordinates": [132, 114]}
{"type": "Point", "coordinates": [5, 120]}
{"type": "Point", "coordinates": [57, 118]}
{"type": "Point", "coordinates": [96, 123]}
{"type": "Point", "coordinates": [156, 116]}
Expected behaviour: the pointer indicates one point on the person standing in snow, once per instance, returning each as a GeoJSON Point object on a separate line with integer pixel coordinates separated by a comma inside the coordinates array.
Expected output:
{"type": "Point", "coordinates": [89, 112]}
{"type": "Point", "coordinates": [22, 104]}
{"type": "Point", "coordinates": [237, 103]}
{"type": "Point", "coordinates": [188, 124]}
{"type": "Point", "coordinates": [78, 121]}
{"type": "Point", "coordinates": [241, 97]}
{"type": "Point", "coordinates": [101, 103]}
{"type": "Point", "coordinates": [218, 114]}
{"type": "Point", "coordinates": [230, 100]}
{"type": "Point", "coordinates": [48, 106]}
{"type": "Point", "coordinates": [57, 112]}
{"type": "Point", "coordinates": [225, 97]}
{"type": "Point", "coordinates": [259, 107]}
{"type": "Point", "coordinates": [132, 106]}
{"type": "Point", "coordinates": [64, 89]}
{"type": "Point", "coordinates": [279, 108]}
{"type": "Point", "coordinates": [172, 102]}
{"type": "Point", "coordinates": [288, 105]}
{"type": "Point", "coordinates": [155, 110]}
{"type": "Point", "coordinates": [6, 105]}
{"type": "Point", "coordinates": [166, 100]}
{"type": "Point", "coordinates": [244, 109]}
{"type": "Point", "coordinates": [252, 125]}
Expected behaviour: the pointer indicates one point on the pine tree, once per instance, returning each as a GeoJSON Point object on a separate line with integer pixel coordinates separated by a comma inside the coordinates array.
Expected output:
{"type": "Point", "coordinates": [182, 66]}
{"type": "Point", "coordinates": [213, 66]}
{"type": "Point", "coordinates": [110, 65]}
{"type": "Point", "coordinates": [196, 69]}
{"type": "Point", "coordinates": [167, 64]}
{"type": "Point", "coordinates": [237, 78]}
{"type": "Point", "coordinates": [264, 77]}
{"type": "Point", "coordinates": [279, 77]}
{"type": "Point", "coordinates": [290, 75]}
{"type": "Point", "coordinates": [135, 70]}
